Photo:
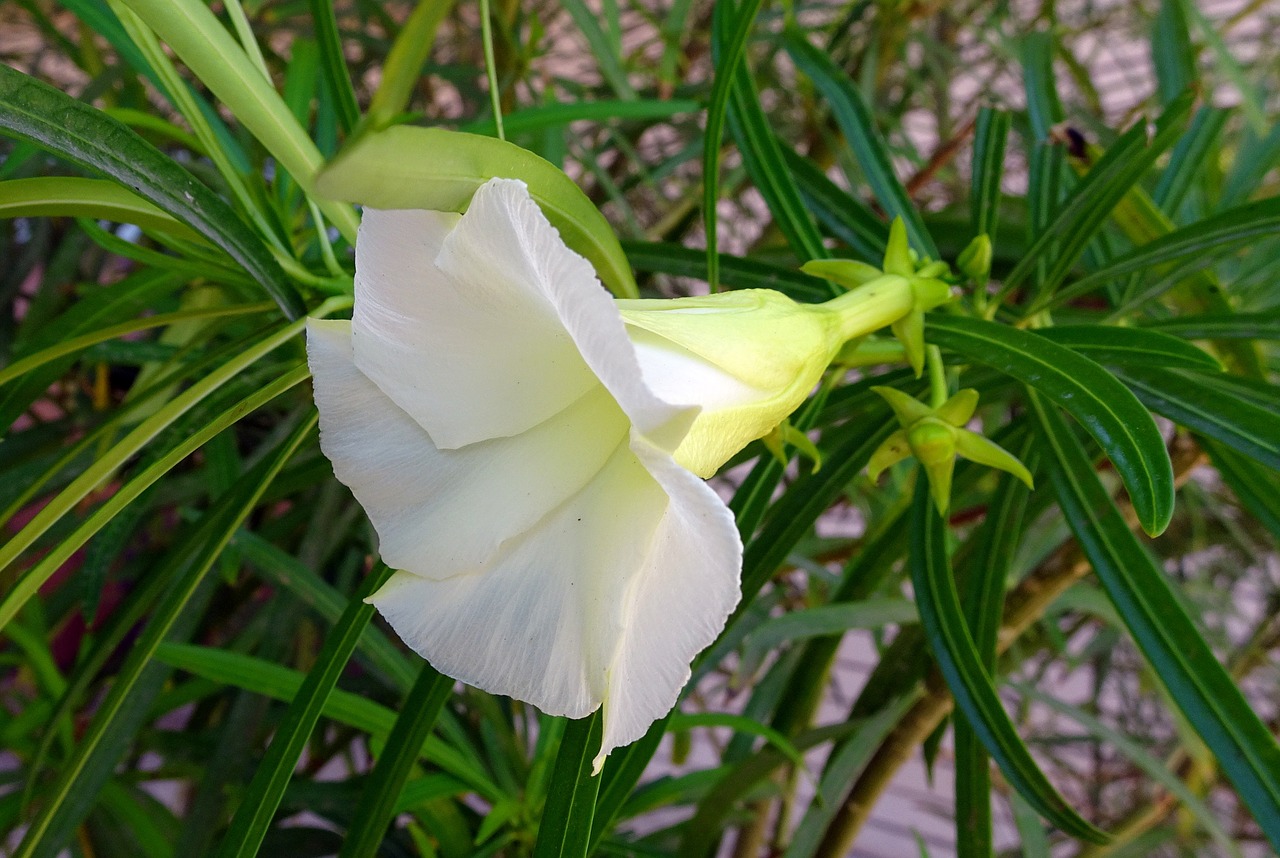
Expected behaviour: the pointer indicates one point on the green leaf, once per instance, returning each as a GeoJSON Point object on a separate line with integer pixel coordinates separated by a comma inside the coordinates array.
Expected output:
{"type": "Point", "coordinates": [1153, 767]}
{"type": "Point", "coordinates": [1092, 200]}
{"type": "Point", "coordinates": [735, 272]}
{"type": "Point", "coordinates": [99, 749]}
{"type": "Point", "coordinates": [344, 707]}
{"type": "Point", "coordinates": [555, 115]}
{"type": "Point", "coordinates": [1090, 394]}
{"type": "Point", "coordinates": [739, 724]}
{"type": "Point", "coordinates": [1172, 52]}
{"type": "Point", "coordinates": [840, 212]}
{"type": "Point", "coordinates": [195, 35]}
{"type": "Point", "coordinates": [1196, 401]}
{"type": "Point", "coordinates": [380, 794]}
{"type": "Point", "coordinates": [1174, 647]}
{"type": "Point", "coordinates": [823, 620]}
{"type": "Point", "coordinates": [730, 28]}
{"type": "Point", "coordinates": [983, 606]}
{"type": "Point", "coordinates": [943, 620]}
{"type": "Point", "coordinates": [440, 170]}
{"type": "Point", "coordinates": [607, 52]}
{"type": "Point", "coordinates": [763, 159]}
{"type": "Point", "coordinates": [1203, 240]}
{"type": "Point", "coordinates": [565, 829]}
{"type": "Point", "coordinates": [990, 135]}
{"type": "Point", "coordinates": [860, 133]}
{"type": "Point", "coordinates": [258, 804]}
{"type": "Point", "coordinates": [1111, 344]}
{"type": "Point", "coordinates": [71, 345]}
{"type": "Point", "coordinates": [1191, 159]}
{"type": "Point", "coordinates": [35, 111]}
{"type": "Point", "coordinates": [285, 570]}
{"type": "Point", "coordinates": [862, 735]}
{"type": "Point", "coordinates": [333, 64]}
{"type": "Point", "coordinates": [109, 462]}
{"type": "Point", "coordinates": [807, 498]}
{"type": "Point", "coordinates": [1224, 326]}
{"type": "Point", "coordinates": [403, 67]}
{"type": "Point", "coordinates": [1044, 108]}
{"type": "Point", "coordinates": [622, 771]}
{"type": "Point", "coordinates": [1257, 489]}
{"type": "Point", "coordinates": [72, 196]}
{"type": "Point", "coordinates": [849, 756]}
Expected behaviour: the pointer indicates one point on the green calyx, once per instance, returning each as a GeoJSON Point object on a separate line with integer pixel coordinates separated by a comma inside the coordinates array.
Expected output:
{"type": "Point", "coordinates": [935, 436]}
{"type": "Point", "coordinates": [916, 289]}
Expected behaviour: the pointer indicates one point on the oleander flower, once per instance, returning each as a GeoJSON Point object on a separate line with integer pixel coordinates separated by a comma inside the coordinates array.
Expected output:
{"type": "Point", "coordinates": [529, 450]}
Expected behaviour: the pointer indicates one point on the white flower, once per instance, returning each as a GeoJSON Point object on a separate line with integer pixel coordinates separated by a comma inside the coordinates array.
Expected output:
{"type": "Point", "coordinates": [488, 410]}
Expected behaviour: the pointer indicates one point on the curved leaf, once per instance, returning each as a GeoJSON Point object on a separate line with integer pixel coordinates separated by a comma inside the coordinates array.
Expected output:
{"type": "Point", "coordinates": [196, 36]}
{"type": "Point", "coordinates": [262, 796]}
{"type": "Point", "coordinates": [943, 620]}
{"type": "Point", "coordinates": [862, 136]}
{"type": "Point", "coordinates": [1112, 344]}
{"type": "Point", "coordinates": [377, 806]}
{"type": "Point", "coordinates": [565, 829]}
{"type": "Point", "coordinates": [1203, 240]}
{"type": "Point", "coordinates": [73, 196]}
{"type": "Point", "coordinates": [1195, 401]}
{"type": "Point", "coordinates": [37, 112]}
{"type": "Point", "coordinates": [1090, 394]}
{"type": "Point", "coordinates": [1175, 648]}
{"type": "Point", "coordinates": [440, 170]}
{"type": "Point", "coordinates": [1223, 326]}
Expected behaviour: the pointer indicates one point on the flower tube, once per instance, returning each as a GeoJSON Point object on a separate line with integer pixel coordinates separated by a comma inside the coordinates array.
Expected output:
{"type": "Point", "coordinates": [529, 451]}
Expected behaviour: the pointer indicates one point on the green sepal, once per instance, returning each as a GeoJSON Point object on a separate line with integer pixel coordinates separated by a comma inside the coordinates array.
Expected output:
{"type": "Point", "coordinates": [849, 273]}
{"type": "Point", "coordinates": [984, 451]}
{"type": "Point", "coordinates": [895, 449]}
{"type": "Point", "coordinates": [897, 253]}
{"type": "Point", "coordinates": [785, 433]}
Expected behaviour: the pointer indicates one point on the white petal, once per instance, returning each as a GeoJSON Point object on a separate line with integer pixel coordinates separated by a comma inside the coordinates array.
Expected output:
{"type": "Point", "coordinates": [504, 230]}
{"type": "Point", "coordinates": [677, 375]}
{"type": "Point", "coordinates": [439, 512]}
{"type": "Point", "coordinates": [680, 598]}
{"type": "Point", "coordinates": [471, 348]}
{"type": "Point", "coordinates": [606, 601]}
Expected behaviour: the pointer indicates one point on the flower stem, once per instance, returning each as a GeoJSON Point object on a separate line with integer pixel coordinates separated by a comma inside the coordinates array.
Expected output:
{"type": "Point", "coordinates": [491, 68]}
{"type": "Point", "coordinates": [872, 306]}
{"type": "Point", "coordinates": [938, 390]}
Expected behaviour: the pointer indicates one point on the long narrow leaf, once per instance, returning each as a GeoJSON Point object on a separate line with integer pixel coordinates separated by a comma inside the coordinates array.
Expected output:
{"type": "Point", "coordinates": [763, 159]}
{"type": "Point", "coordinates": [862, 135]}
{"type": "Point", "coordinates": [729, 31]}
{"type": "Point", "coordinates": [1194, 400]}
{"type": "Point", "coordinates": [1175, 648]}
{"type": "Point", "coordinates": [65, 804]}
{"type": "Point", "coordinates": [1104, 406]}
{"type": "Point", "coordinates": [565, 830]}
{"type": "Point", "coordinates": [262, 797]}
{"type": "Point", "coordinates": [1093, 199]}
{"type": "Point", "coordinates": [35, 111]}
{"type": "Point", "coordinates": [970, 684]}
{"type": "Point", "coordinates": [196, 36]}
{"type": "Point", "coordinates": [377, 806]}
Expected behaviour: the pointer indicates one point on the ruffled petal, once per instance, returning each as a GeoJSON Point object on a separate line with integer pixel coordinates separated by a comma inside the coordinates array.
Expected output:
{"type": "Point", "coordinates": [503, 215]}
{"type": "Point", "coordinates": [440, 512]}
{"type": "Point", "coordinates": [605, 601]}
{"type": "Point", "coordinates": [470, 348]}
{"type": "Point", "coordinates": [682, 594]}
